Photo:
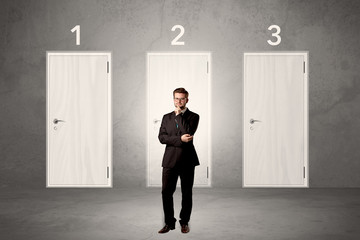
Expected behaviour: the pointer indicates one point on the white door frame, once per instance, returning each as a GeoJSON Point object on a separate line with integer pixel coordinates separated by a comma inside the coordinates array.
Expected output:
{"type": "Point", "coordinates": [109, 110]}
{"type": "Point", "coordinates": [148, 54]}
{"type": "Point", "coordinates": [306, 107]}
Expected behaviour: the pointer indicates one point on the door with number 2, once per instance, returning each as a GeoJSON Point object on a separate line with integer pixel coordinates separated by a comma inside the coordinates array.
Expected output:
{"type": "Point", "coordinates": [166, 72]}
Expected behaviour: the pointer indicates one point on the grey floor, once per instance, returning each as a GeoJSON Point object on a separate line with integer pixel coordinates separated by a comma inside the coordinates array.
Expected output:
{"type": "Point", "coordinates": [217, 214]}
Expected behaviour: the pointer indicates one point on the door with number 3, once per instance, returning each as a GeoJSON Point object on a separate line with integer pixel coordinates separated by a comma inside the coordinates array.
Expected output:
{"type": "Point", "coordinates": [275, 125]}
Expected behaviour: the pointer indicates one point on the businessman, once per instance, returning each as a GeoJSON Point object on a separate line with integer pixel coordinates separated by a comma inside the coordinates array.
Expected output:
{"type": "Point", "coordinates": [177, 132]}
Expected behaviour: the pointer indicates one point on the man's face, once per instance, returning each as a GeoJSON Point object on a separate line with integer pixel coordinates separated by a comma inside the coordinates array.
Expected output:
{"type": "Point", "coordinates": [180, 100]}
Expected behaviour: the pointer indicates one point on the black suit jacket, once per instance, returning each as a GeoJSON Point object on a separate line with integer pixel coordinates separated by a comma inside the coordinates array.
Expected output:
{"type": "Point", "coordinates": [177, 151]}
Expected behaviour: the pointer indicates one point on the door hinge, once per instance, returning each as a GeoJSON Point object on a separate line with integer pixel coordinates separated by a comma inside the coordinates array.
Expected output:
{"type": "Point", "coordinates": [304, 172]}
{"type": "Point", "coordinates": [304, 67]}
{"type": "Point", "coordinates": [207, 67]}
{"type": "Point", "coordinates": [107, 67]}
{"type": "Point", "coordinates": [207, 172]}
{"type": "Point", "coordinates": [107, 172]}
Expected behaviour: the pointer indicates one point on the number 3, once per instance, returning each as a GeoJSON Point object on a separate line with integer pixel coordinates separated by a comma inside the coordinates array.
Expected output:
{"type": "Point", "coordinates": [276, 34]}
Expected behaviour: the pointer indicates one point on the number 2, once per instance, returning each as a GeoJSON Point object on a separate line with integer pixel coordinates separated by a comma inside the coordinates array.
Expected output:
{"type": "Point", "coordinates": [77, 29]}
{"type": "Point", "coordinates": [275, 34]}
{"type": "Point", "coordinates": [182, 31]}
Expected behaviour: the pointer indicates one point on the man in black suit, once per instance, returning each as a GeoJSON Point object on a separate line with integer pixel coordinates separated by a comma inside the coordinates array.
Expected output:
{"type": "Point", "coordinates": [177, 131]}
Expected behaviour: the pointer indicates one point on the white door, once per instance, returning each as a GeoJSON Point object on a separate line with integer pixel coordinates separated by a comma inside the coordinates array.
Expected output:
{"type": "Point", "coordinates": [275, 125]}
{"type": "Point", "coordinates": [79, 139]}
{"type": "Point", "coordinates": [166, 72]}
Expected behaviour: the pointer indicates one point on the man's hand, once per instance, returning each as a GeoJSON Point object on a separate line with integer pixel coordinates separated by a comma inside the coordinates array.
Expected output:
{"type": "Point", "coordinates": [177, 110]}
{"type": "Point", "coordinates": [186, 138]}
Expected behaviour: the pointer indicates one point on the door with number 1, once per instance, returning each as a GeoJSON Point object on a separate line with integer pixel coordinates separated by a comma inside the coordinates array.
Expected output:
{"type": "Point", "coordinates": [166, 72]}
{"type": "Point", "coordinates": [79, 128]}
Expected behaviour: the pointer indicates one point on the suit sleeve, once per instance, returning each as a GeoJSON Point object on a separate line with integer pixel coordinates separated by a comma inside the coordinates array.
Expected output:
{"type": "Point", "coordinates": [188, 126]}
{"type": "Point", "coordinates": [165, 138]}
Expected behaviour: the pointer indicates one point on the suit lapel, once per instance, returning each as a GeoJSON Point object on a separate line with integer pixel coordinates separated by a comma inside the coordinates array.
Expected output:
{"type": "Point", "coordinates": [186, 113]}
{"type": "Point", "coordinates": [173, 123]}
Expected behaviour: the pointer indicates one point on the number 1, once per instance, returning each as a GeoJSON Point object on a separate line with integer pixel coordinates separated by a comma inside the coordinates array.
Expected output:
{"type": "Point", "coordinates": [77, 29]}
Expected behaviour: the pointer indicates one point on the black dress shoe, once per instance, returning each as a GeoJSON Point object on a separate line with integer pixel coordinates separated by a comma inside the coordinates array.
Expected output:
{"type": "Point", "coordinates": [185, 228]}
{"type": "Point", "coordinates": [166, 228]}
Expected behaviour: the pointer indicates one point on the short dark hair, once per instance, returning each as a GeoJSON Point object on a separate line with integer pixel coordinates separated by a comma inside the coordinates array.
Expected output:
{"type": "Point", "coordinates": [181, 90]}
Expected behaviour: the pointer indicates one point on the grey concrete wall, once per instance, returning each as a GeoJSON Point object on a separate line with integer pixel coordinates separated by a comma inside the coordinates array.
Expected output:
{"type": "Point", "coordinates": [329, 30]}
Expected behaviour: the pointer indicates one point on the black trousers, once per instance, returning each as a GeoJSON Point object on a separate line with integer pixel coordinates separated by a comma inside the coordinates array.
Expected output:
{"type": "Point", "coordinates": [169, 181]}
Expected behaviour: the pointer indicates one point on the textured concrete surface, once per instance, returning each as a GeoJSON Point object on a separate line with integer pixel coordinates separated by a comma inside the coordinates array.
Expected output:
{"type": "Point", "coordinates": [252, 214]}
{"type": "Point", "coordinates": [328, 29]}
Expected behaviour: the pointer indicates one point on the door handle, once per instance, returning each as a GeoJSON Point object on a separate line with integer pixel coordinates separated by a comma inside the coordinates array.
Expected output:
{"type": "Point", "coordinates": [57, 120]}
{"type": "Point", "coordinates": [156, 121]}
{"type": "Point", "coordinates": [252, 121]}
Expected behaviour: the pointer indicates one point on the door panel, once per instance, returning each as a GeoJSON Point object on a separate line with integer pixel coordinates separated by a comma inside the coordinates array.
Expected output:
{"type": "Point", "coordinates": [166, 72]}
{"type": "Point", "coordinates": [79, 96]}
{"type": "Point", "coordinates": [275, 98]}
